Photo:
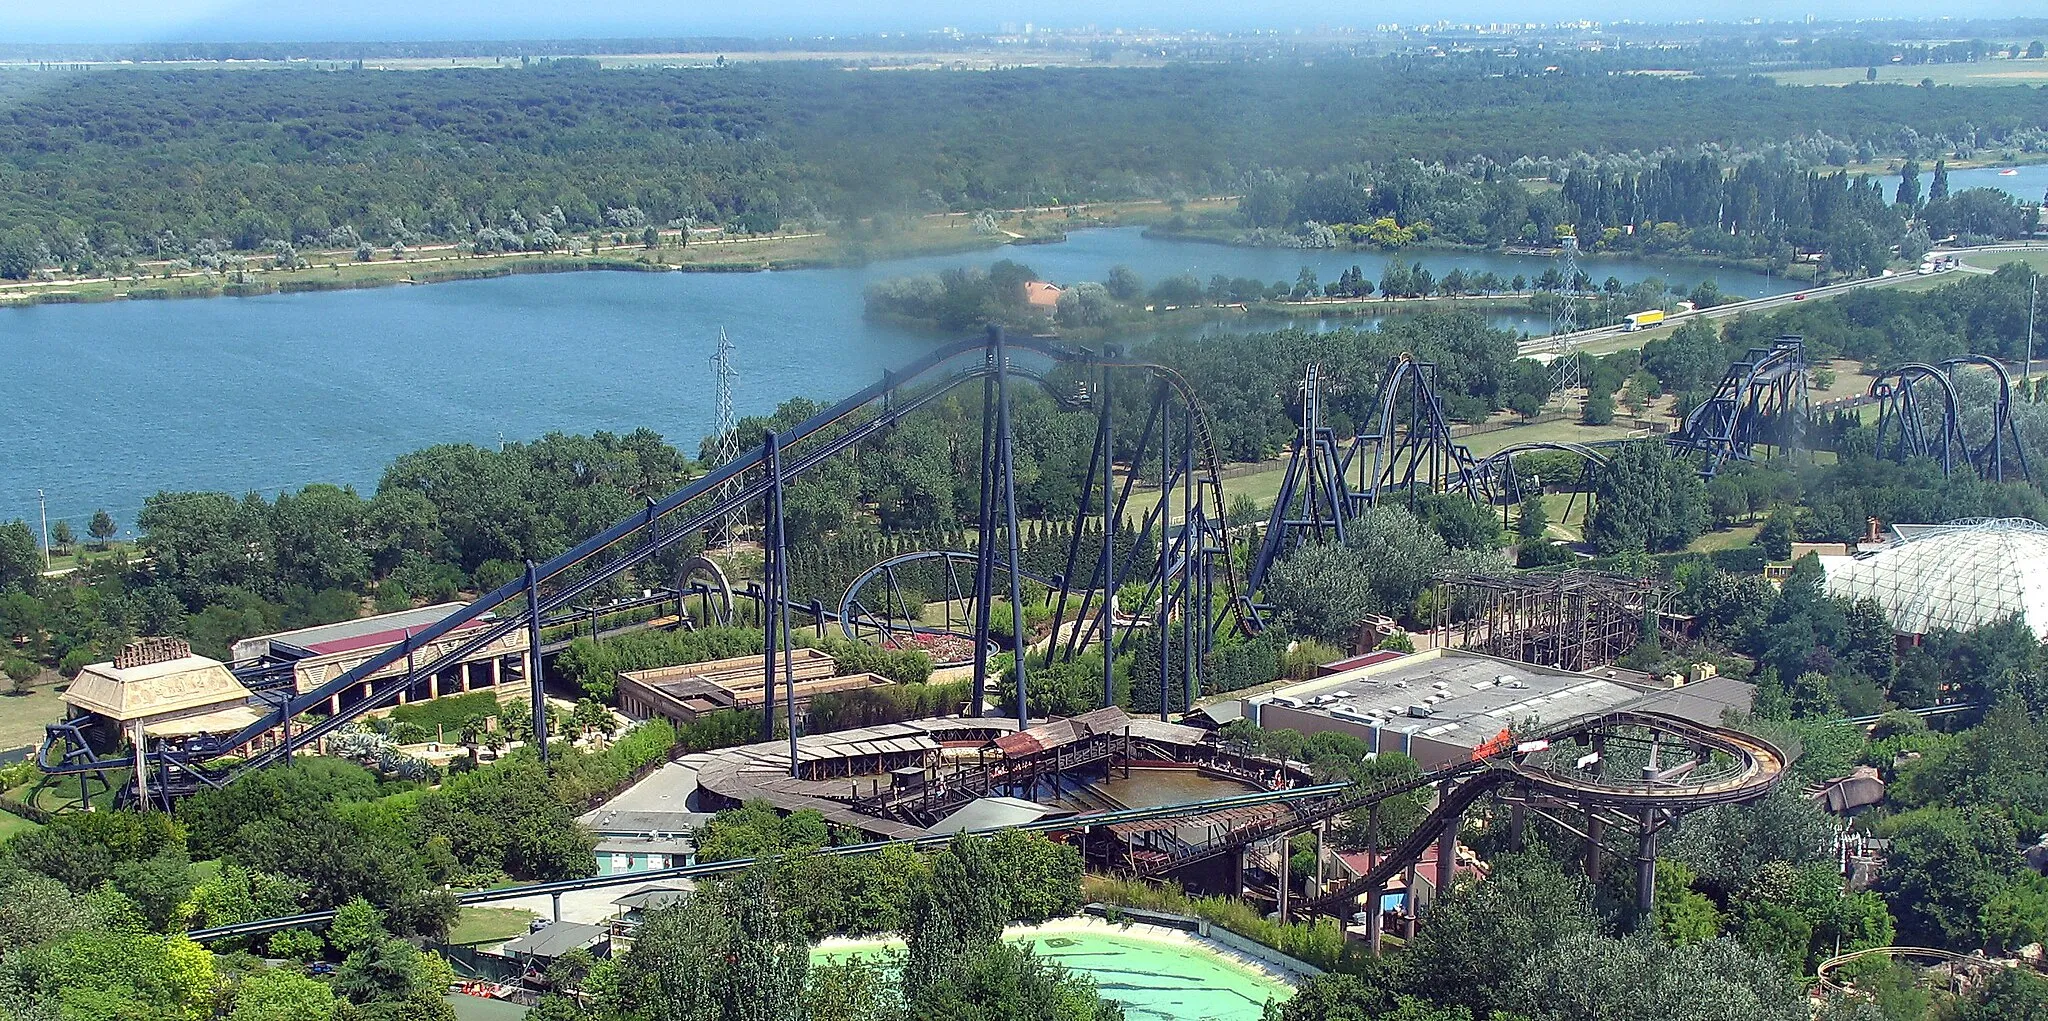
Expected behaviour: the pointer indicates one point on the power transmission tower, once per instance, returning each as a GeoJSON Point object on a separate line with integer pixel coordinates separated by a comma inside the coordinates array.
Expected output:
{"type": "Point", "coordinates": [728, 434]}
{"type": "Point", "coordinates": [1564, 363]}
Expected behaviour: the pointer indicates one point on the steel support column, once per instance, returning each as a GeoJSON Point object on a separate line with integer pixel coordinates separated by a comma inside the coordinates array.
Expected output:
{"type": "Point", "coordinates": [1110, 508]}
{"type": "Point", "coordinates": [985, 540]}
{"type": "Point", "coordinates": [1447, 857]}
{"type": "Point", "coordinates": [1009, 482]}
{"type": "Point", "coordinates": [778, 637]}
{"type": "Point", "coordinates": [772, 549]}
{"type": "Point", "coordinates": [1189, 551]}
{"type": "Point", "coordinates": [1646, 862]}
{"type": "Point", "coordinates": [533, 682]}
{"type": "Point", "coordinates": [1165, 551]}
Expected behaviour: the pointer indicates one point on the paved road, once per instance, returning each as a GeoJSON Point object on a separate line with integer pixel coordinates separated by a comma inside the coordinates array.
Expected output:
{"type": "Point", "coordinates": [1544, 348]}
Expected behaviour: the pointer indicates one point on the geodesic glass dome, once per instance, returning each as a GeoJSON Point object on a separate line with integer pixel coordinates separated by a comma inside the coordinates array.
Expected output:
{"type": "Point", "coordinates": [1955, 576]}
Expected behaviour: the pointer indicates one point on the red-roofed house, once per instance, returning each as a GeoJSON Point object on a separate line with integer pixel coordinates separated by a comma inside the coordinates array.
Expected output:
{"type": "Point", "coordinates": [1041, 295]}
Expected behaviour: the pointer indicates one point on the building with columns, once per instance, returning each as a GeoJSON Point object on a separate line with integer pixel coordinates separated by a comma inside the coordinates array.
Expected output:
{"type": "Point", "coordinates": [156, 689]}
{"type": "Point", "coordinates": [322, 653]}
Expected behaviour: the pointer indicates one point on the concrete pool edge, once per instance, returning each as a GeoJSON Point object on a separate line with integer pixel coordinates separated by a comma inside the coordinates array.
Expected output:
{"type": "Point", "coordinates": [1234, 950]}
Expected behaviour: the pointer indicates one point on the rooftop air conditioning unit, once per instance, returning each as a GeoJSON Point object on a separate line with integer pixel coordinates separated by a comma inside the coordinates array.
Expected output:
{"type": "Point", "coordinates": [1421, 712]}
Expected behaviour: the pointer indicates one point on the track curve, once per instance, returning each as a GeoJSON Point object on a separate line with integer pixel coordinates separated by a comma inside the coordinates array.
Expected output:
{"type": "Point", "coordinates": [1759, 766]}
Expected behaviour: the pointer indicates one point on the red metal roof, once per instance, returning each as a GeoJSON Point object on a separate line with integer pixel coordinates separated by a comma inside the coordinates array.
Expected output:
{"type": "Point", "coordinates": [379, 639]}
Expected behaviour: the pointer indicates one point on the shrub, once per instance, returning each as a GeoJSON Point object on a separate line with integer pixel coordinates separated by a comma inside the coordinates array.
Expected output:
{"type": "Point", "coordinates": [296, 944]}
{"type": "Point", "coordinates": [1739, 559]}
{"type": "Point", "coordinates": [74, 661]}
{"type": "Point", "coordinates": [1320, 943]}
{"type": "Point", "coordinates": [448, 714]}
{"type": "Point", "coordinates": [23, 673]}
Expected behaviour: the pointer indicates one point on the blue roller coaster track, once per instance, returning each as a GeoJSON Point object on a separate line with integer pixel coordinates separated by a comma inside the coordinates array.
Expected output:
{"type": "Point", "coordinates": [1198, 584]}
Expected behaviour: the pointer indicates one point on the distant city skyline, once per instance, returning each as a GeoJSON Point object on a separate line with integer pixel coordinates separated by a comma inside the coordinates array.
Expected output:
{"type": "Point", "coordinates": [104, 21]}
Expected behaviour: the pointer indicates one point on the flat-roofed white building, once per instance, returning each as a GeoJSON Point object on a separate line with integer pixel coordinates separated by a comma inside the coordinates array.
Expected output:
{"type": "Point", "coordinates": [1445, 706]}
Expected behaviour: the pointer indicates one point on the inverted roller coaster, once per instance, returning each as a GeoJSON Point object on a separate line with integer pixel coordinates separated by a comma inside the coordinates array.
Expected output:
{"type": "Point", "coordinates": [1327, 483]}
{"type": "Point", "coordinates": [1760, 404]}
{"type": "Point", "coordinates": [1193, 587]}
{"type": "Point", "coordinates": [1920, 416]}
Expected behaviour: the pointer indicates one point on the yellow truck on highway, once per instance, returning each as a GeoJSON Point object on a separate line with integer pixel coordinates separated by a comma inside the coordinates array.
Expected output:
{"type": "Point", "coordinates": [1643, 320]}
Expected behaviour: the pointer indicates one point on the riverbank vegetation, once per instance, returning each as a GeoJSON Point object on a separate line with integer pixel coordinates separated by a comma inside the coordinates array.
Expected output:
{"type": "Point", "coordinates": [1791, 206]}
{"type": "Point", "coordinates": [565, 155]}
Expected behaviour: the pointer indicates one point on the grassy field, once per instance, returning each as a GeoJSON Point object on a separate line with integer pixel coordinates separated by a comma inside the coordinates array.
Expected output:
{"type": "Point", "coordinates": [11, 824]}
{"type": "Point", "coordinates": [1567, 513]}
{"type": "Point", "coordinates": [1262, 482]}
{"type": "Point", "coordinates": [1984, 72]}
{"type": "Point", "coordinates": [22, 716]}
{"type": "Point", "coordinates": [489, 925]}
{"type": "Point", "coordinates": [2037, 261]}
{"type": "Point", "coordinates": [79, 556]}
{"type": "Point", "coordinates": [1727, 538]}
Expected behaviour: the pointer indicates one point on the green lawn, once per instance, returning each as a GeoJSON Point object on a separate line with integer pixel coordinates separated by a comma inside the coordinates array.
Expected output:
{"type": "Point", "coordinates": [22, 716]}
{"type": "Point", "coordinates": [478, 926]}
{"type": "Point", "coordinates": [1566, 430]}
{"type": "Point", "coordinates": [83, 554]}
{"type": "Point", "coordinates": [11, 824]}
{"type": "Point", "coordinates": [1567, 512]}
{"type": "Point", "coordinates": [1727, 538]}
{"type": "Point", "coordinates": [2038, 261]}
{"type": "Point", "coordinates": [1262, 484]}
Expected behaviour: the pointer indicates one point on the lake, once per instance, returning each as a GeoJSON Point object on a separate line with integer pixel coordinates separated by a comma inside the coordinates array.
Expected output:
{"type": "Point", "coordinates": [2027, 186]}
{"type": "Point", "coordinates": [107, 403]}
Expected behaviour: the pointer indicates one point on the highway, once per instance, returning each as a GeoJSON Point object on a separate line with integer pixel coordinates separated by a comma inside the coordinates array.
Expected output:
{"type": "Point", "coordinates": [1543, 348]}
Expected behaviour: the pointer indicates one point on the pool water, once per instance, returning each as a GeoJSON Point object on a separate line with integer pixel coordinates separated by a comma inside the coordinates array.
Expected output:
{"type": "Point", "coordinates": [1153, 979]}
{"type": "Point", "coordinates": [1149, 788]}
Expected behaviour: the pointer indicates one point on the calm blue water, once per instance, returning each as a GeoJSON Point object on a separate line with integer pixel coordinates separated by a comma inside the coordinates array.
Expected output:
{"type": "Point", "coordinates": [105, 404]}
{"type": "Point", "coordinates": [2027, 186]}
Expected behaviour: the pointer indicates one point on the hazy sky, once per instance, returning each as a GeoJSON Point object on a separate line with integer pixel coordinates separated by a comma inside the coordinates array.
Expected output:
{"type": "Point", "coordinates": [245, 20]}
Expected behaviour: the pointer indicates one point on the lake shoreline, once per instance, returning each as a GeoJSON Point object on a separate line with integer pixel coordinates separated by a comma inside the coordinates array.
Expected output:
{"type": "Point", "coordinates": [129, 398]}
{"type": "Point", "coordinates": [213, 287]}
{"type": "Point", "coordinates": [1450, 248]}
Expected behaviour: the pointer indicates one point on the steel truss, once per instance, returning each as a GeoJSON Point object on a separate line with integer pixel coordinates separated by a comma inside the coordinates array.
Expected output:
{"type": "Point", "coordinates": [1916, 415]}
{"type": "Point", "coordinates": [1570, 620]}
{"type": "Point", "coordinates": [1500, 483]}
{"type": "Point", "coordinates": [1183, 586]}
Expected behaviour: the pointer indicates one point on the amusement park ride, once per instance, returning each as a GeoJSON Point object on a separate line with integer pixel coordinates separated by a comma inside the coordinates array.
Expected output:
{"type": "Point", "coordinates": [1166, 486]}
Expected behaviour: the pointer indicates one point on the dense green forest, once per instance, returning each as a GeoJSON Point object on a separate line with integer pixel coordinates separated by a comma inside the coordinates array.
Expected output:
{"type": "Point", "coordinates": [96, 168]}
